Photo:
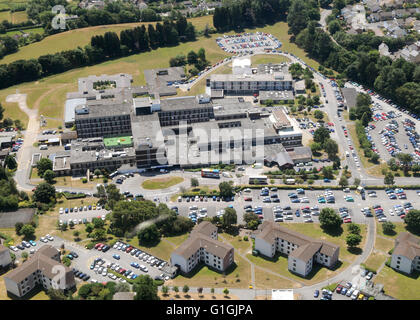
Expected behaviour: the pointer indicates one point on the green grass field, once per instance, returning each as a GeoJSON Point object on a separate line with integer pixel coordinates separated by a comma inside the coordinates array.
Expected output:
{"type": "Point", "coordinates": [32, 30]}
{"type": "Point", "coordinates": [117, 141]}
{"type": "Point", "coordinates": [161, 183]}
{"type": "Point", "coordinates": [399, 285]}
{"type": "Point", "coordinates": [264, 58]}
{"type": "Point", "coordinates": [81, 37]}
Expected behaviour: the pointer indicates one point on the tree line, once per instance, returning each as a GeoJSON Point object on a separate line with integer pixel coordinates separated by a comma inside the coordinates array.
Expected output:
{"type": "Point", "coordinates": [236, 15]}
{"type": "Point", "coordinates": [113, 13]}
{"type": "Point", "coordinates": [101, 48]}
{"type": "Point", "coordinates": [357, 57]}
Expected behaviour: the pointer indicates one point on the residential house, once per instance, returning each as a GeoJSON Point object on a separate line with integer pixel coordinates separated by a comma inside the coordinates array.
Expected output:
{"type": "Point", "coordinates": [406, 254]}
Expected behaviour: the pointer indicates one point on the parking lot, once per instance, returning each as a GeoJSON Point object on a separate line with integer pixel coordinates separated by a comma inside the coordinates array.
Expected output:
{"type": "Point", "coordinates": [248, 42]}
{"type": "Point", "coordinates": [389, 136]}
{"type": "Point", "coordinates": [81, 215]}
{"type": "Point", "coordinates": [266, 209]}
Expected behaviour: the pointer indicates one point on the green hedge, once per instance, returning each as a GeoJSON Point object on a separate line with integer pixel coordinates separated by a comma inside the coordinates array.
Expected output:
{"type": "Point", "coordinates": [388, 262]}
{"type": "Point", "coordinates": [69, 196]}
{"type": "Point", "coordinates": [331, 287]}
{"type": "Point", "coordinates": [391, 251]}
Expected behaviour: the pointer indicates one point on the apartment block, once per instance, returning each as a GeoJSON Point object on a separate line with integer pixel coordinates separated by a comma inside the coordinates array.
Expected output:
{"type": "Point", "coordinates": [203, 247]}
{"type": "Point", "coordinates": [5, 259]}
{"type": "Point", "coordinates": [43, 268]}
{"type": "Point", "coordinates": [302, 251]}
{"type": "Point", "coordinates": [406, 254]}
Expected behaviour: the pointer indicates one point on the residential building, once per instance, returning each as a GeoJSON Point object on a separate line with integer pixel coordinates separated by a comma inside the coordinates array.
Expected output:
{"type": "Point", "coordinates": [406, 254]}
{"type": "Point", "coordinates": [5, 259]}
{"type": "Point", "coordinates": [43, 268]}
{"type": "Point", "coordinates": [202, 246]}
{"type": "Point", "coordinates": [302, 251]}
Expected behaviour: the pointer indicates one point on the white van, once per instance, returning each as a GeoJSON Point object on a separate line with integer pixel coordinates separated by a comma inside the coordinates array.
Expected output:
{"type": "Point", "coordinates": [355, 294]}
{"type": "Point", "coordinates": [347, 154]}
{"type": "Point", "coordinates": [43, 147]}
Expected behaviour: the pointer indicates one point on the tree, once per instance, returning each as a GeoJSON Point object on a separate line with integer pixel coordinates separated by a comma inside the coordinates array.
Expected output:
{"type": "Point", "coordinates": [327, 172]}
{"type": "Point", "coordinates": [251, 220]}
{"type": "Point", "coordinates": [334, 26]}
{"type": "Point", "coordinates": [319, 114]}
{"type": "Point", "coordinates": [389, 179]}
{"type": "Point", "coordinates": [226, 291]}
{"type": "Point", "coordinates": [329, 219]}
{"type": "Point", "coordinates": [192, 57]}
{"type": "Point", "coordinates": [315, 147]}
{"type": "Point", "coordinates": [375, 157]}
{"type": "Point", "coordinates": [200, 290]}
{"type": "Point", "coordinates": [43, 165]}
{"type": "Point", "coordinates": [97, 173]}
{"type": "Point", "coordinates": [44, 193]}
{"type": "Point", "coordinates": [49, 176]}
{"type": "Point", "coordinates": [55, 294]}
{"type": "Point", "coordinates": [388, 228]}
{"type": "Point", "coordinates": [24, 255]}
{"type": "Point", "coordinates": [331, 148]}
{"type": "Point", "coordinates": [98, 234]}
{"type": "Point", "coordinates": [212, 290]}
{"type": "Point", "coordinates": [194, 182]}
{"type": "Point", "coordinates": [185, 289]}
{"type": "Point", "coordinates": [10, 162]}
{"type": "Point", "coordinates": [176, 289]}
{"type": "Point", "coordinates": [165, 290]}
{"type": "Point", "coordinates": [405, 159]}
{"type": "Point", "coordinates": [229, 218]}
{"type": "Point", "coordinates": [412, 219]}
{"type": "Point", "coordinates": [149, 235]}
{"type": "Point", "coordinates": [202, 54]}
{"type": "Point", "coordinates": [145, 288]}
{"type": "Point", "coordinates": [226, 189]}
{"type": "Point", "coordinates": [353, 240]}
{"type": "Point", "coordinates": [356, 182]}
{"type": "Point", "coordinates": [321, 134]}
{"type": "Point", "coordinates": [353, 228]}
{"type": "Point", "coordinates": [28, 231]}
{"type": "Point", "coordinates": [18, 227]}
{"type": "Point", "coordinates": [343, 181]}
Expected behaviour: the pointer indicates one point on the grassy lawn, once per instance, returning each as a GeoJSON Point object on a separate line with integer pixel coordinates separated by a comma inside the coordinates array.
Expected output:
{"type": "Point", "coordinates": [238, 243]}
{"type": "Point", "coordinates": [399, 285]}
{"type": "Point", "coordinates": [376, 259]}
{"type": "Point", "coordinates": [32, 30]}
{"type": "Point", "coordinates": [265, 280]}
{"type": "Point", "coordinates": [66, 181]}
{"type": "Point", "coordinates": [177, 240]}
{"type": "Point", "coordinates": [162, 250]}
{"type": "Point", "coordinates": [383, 244]}
{"type": "Point", "coordinates": [237, 276]}
{"type": "Point", "coordinates": [12, 109]}
{"type": "Point", "coordinates": [79, 37]}
{"type": "Point", "coordinates": [315, 231]}
{"type": "Point", "coordinates": [279, 265]}
{"type": "Point", "coordinates": [161, 183]}
{"type": "Point", "coordinates": [19, 17]}
{"type": "Point", "coordinates": [264, 58]}
{"type": "Point", "coordinates": [399, 227]}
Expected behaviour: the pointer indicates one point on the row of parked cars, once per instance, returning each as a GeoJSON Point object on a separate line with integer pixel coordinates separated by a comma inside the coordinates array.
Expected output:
{"type": "Point", "coordinates": [80, 209]}
{"type": "Point", "coordinates": [397, 193]}
{"type": "Point", "coordinates": [414, 137]}
{"type": "Point", "coordinates": [328, 197]}
{"type": "Point", "coordinates": [31, 243]}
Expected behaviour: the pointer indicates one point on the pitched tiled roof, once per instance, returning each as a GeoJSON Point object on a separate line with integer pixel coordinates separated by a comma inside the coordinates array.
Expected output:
{"type": "Point", "coordinates": [407, 245]}
{"type": "Point", "coordinates": [269, 231]}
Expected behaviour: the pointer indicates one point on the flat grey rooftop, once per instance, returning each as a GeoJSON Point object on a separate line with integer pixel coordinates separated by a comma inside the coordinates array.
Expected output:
{"type": "Point", "coordinates": [182, 103]}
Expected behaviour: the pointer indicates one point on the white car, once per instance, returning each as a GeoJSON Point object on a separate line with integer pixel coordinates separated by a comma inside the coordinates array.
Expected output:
{"type": "Point", "coordinates": [61, 211]}
{"type": "Point", "coordinates": [308, 220]}
{"type": "Point", "coordinates": [391, 212]}
{"type": "Point", "coordinates": [13, 248]}
{"type": "Point", "coordinates": [103, 217]}
{"type": "Point", "coordinates": [383, 219]}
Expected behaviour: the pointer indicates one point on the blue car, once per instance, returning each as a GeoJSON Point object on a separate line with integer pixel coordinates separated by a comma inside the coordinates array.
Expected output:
{"type": "Point", "coordinates": [295, 201]}
{"type": "Point", "coordinates": [33, 243]}
{"type": "Point", "coordinates": [297, 213]}
{"type": "Point", "coordinates": [327, 180]}
{"type": "Point", "coordinates": [316, 294]}
{"type": "Point", "coordinates": [67, 210]}
{"type": "Point", "coordinates": [116, 256]}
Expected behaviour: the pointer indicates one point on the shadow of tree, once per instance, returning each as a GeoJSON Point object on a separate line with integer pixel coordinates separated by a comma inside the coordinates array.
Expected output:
{"type": "Point", "coordinates": [337, 232]}
{"type": "Point", "coordinates": [355, 250]}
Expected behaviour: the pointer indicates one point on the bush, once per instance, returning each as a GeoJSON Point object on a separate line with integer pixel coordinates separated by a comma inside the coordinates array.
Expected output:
{"type": "Point", "coordinates": [388, 262]}
{"type": "Point", "coordinates": [84, 180]}
{"type": "Point", "coordinates": [391, 251]}
{"type": "Point", "coordinates": [90, 245]}
{"type": "Point", "coordinates": [331, 287]}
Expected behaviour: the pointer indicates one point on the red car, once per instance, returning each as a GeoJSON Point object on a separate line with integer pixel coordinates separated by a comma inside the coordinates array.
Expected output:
{"type": "Point", "coordinates": [129, 249]}
{"type": "Point", "coordinates": [339, 288]}
{"type": "Point", "coordinates": [98, 245]}
{"type": "Point", "coordinates": [247, 199]}
{"type": "Point", "coordinates": [347, 220]}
